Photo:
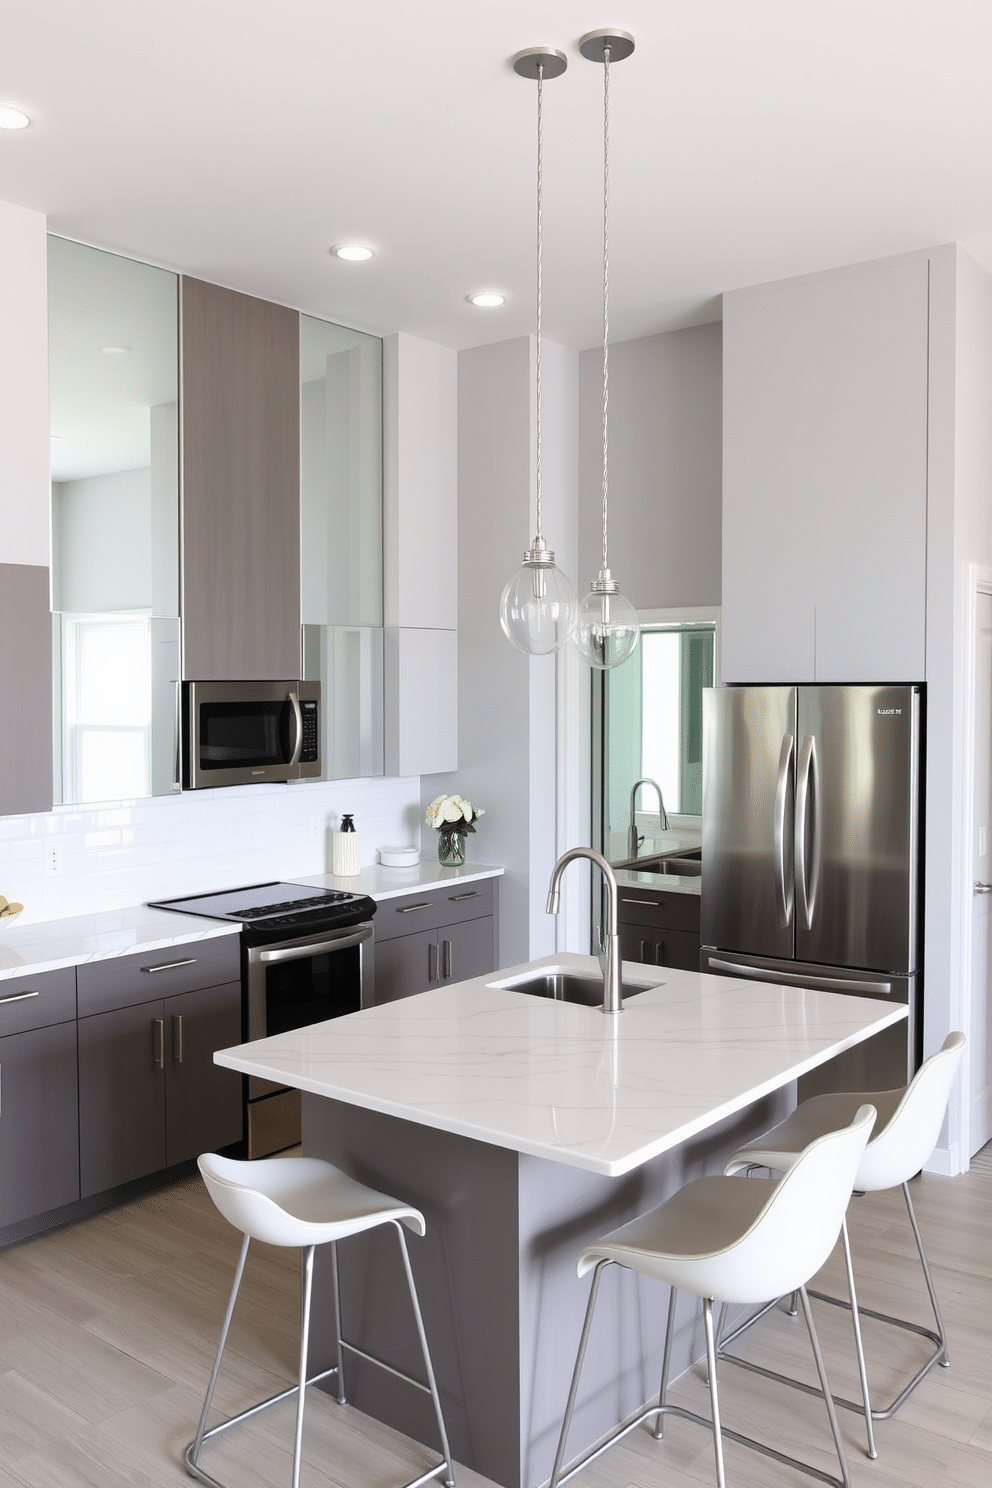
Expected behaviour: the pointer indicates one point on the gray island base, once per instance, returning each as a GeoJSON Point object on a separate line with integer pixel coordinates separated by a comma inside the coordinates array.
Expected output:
{"type": "Point", "coordinates": [496, 1277]}
{"type": "Point", "coordinates": [523, 1128]}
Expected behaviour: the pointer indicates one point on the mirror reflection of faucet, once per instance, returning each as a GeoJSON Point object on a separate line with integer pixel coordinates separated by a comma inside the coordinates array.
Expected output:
{"type": "Point", "coordinates": [633, 840]}
{"type": "Point", "coordinates": [610, 959]}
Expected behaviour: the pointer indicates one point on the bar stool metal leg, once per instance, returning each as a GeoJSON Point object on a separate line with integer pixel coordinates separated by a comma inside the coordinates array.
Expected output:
{"type": "Point", "coordinates": [721, 1479]}
{"type": "Point", "coordinates": [449, 1481]}
{"type": "Point", "coordinates": [944, 1359]}
{"type": "Point", "coordinates": [198, 1439]}
{"type": "Point", "coordinates": [859, 1347]}
{"type": "Point", "coordinates": [336, 1282]}
{"type": "Point", "coordinates": [659, 1426]}
{"type": "Point", "coordinates": [828, 1399]}
{"type": "Point", "coordinates": [576, 1372]}
{"type": "Point", "coordinates": [306, 1292]}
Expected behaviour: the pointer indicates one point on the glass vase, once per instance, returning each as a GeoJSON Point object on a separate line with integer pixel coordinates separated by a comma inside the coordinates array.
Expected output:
{"type": "Point", "coordinates": [451, 849]}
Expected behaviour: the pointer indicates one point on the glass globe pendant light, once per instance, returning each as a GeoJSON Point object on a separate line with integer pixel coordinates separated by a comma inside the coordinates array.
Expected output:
{"type": "Point", "coordinates": [538, 607]}
{"type": "Point", "coordinates": [608, 630]}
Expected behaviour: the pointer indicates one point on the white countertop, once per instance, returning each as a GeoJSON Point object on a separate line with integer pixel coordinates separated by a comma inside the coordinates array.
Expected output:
{"type": "Point", "coordinates": [32, 949]}
{"type": "Point", "coordinates": [387, 883]}
{"type": "Point", "coordinates": [571, 1083]}
{"type": "Point", "coordinates": [28, 950]}
{"type": "Point", "coordinates": [671, 883]}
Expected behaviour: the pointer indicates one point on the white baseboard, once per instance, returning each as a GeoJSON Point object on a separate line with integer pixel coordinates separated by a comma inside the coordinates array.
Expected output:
{"type": "Point", "coordinates": [945, 1161]}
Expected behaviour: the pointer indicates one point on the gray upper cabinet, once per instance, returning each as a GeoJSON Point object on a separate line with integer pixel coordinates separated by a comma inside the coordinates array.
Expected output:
{"type": "Point", "coordinates": [241, 486]}
{"type": "Point", "coordinates": [114, 383]}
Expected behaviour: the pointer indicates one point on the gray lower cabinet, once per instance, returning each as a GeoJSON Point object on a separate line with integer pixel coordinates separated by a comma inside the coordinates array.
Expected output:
{"type": "Point", "coordinates": [659, 928]}
{"type": "Point", "coordinates": [457, 943]}
{"type": "Point", "coordinates": [39, 1167]}
{"type": "Point", "coordinates": [149, 1092]}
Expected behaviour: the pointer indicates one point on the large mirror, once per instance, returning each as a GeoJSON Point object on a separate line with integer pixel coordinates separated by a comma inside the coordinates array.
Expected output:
{"type": "Point", "coordinates": [113, 356]}
{"type": "Point", "coordinates": [341, 504]}
{"type": "Point", "coordinates": [651, 730]}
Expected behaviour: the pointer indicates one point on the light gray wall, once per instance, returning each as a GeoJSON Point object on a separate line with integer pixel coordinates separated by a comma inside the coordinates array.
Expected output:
{"type": "Point", "coordinates": [508, 703]}
{"type": "Point", "coordinates": [101, 542]}
{"type": "Point", "coordinates": [665, 467]}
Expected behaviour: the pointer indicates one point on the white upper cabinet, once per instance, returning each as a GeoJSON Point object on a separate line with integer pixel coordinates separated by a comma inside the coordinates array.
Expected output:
{"type": "Point", "coordinates": [825, 477]}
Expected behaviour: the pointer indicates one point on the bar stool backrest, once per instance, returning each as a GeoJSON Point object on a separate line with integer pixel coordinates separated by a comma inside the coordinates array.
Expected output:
{"type": "Point", "coordinates": [798, 1227]}
{"type": "Point", "coordinates": [908, 1138]}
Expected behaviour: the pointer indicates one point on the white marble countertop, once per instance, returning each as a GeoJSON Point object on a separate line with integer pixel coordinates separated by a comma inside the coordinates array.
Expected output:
{"type": "Point", "coordinates": [565, 1082]}
{"type": "Point", "coordinates": [28, 950]}
{"type": "Point", "coordinates": [32, 949]}
{"type": "Point", "coordinates": [386, 883]}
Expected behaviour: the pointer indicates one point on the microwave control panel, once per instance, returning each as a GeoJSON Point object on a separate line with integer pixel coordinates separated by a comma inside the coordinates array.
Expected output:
{"type": "Point", "coordinates": [309, 752]}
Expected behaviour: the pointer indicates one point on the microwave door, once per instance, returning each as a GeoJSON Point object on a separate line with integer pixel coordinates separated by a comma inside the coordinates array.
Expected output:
{"type": "Point", "coordinates": [746, 900]}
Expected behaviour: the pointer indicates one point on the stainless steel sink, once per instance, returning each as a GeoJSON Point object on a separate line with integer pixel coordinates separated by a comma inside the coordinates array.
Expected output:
{"type": "Point", "coordinates": [685, 866]}
{"type": "Point", "coordinates": [568, 986]}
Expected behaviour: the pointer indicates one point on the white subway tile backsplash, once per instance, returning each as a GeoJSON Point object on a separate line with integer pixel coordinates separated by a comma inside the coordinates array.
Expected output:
{"type": "Point", "coordinates": [127, 852]}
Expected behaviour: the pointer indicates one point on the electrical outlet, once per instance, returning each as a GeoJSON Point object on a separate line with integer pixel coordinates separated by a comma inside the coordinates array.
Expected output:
{"type": "Point", "coordinates": [53, 859]}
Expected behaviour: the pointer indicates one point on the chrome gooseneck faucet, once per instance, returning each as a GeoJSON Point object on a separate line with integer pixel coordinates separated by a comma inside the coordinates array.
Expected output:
{"type": "Point", "coordinates": [632, 840]}
{"type": "Point", "coordinates": [612, 998]}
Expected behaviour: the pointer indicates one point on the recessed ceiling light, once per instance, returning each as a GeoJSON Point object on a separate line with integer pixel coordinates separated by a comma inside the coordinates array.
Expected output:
{"type": "Point", "coordinates": [488, 299]}
{"type": "Point", "coordinates": [353, 252]}
{"type": "Point", "coordinates": [114, 350]}
{"type": "Point", "coordinates": [12, 117]}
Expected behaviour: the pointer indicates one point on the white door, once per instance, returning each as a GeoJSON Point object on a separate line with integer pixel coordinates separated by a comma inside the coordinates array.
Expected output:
{"type": "Point", "coordinates": [980, 1033]}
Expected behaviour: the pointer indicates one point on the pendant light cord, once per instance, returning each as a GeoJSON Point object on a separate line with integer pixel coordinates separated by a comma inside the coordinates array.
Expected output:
{"type": "Point", "coordinates": [606, 296]}
{"type": "Point", "coordinates": [540, 246]}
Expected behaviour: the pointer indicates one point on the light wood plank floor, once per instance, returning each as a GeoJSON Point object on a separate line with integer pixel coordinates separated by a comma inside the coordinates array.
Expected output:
{"type": "Point", "coordinates": [107, 1330]}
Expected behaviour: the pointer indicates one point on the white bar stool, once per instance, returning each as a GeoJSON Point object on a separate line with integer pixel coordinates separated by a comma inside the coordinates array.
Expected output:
{"type": "Point", "coordinates": [733, 1239]}
{"type": "Point", "coordinates": [305, 1202]}
{"type": "Point", "coordinates": [905, 1134]}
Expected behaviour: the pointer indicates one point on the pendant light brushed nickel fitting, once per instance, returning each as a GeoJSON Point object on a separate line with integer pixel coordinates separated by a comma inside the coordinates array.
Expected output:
{"type": "Point", "coordinates": [538, 609]}
{"type": "Point", "coordinates": [608, 629]}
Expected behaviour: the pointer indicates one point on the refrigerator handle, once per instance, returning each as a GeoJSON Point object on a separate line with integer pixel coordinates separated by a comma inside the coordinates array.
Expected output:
{"type": "Point", "coordinates": [807, 830]}
{"type": "Point", "coordinates": [783, 877]}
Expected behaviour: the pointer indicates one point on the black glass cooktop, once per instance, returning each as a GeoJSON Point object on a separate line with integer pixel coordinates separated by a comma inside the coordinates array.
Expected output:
{"type": "Point", "coordinates": [277, 906]}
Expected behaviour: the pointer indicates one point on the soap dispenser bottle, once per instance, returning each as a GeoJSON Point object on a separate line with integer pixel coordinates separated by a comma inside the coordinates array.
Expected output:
{"type": "Point", "coordinates": [347, 849]}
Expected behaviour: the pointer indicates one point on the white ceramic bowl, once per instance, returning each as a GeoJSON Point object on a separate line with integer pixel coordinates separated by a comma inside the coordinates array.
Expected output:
{"type": "Point", "coordinates": [399, 857]}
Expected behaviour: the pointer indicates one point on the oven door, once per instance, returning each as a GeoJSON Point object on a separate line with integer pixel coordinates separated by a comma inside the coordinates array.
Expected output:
{"type": "Point", "coordinates": [299, 982]}
{"type": "Point", "coordinates": [242, 733]}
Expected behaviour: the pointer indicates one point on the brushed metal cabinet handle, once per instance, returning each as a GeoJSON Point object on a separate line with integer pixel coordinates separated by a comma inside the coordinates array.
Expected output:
{"type": "Point", "coordinates": [980, 888]}
{"type": "Point", "coordinates": [625, 900]}
{"type": "Point", "coordinates": [158, 1043]}
{"type": "Point", "coordinates": [455, 897]}
{"type": "Point", "coordinates": [446, 959]}
{"type": "Point", "coordinates": [411, 907]}
{"type": "Point", "coordinates": [644, 950]}
{"type": "Point", "coordinates": [19, 996]}
{"type": "Point", "coordinates": [432, 961]}
{"type": "Point", "coordinates": [169, 965]}
{"type": "Point", "coordinates": [659, 953]}
{"type": "Point", "coordinates": [177, 1037]}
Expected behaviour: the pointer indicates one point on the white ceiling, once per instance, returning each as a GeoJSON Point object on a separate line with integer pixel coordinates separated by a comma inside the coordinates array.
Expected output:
{"type": "Point", "coordinates": [752, 139]}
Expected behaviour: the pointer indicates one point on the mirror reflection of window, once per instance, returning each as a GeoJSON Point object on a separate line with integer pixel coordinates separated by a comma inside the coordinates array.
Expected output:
{"type": "Point", "coordinates": [113, 359]}
{"type": "Point", "coordinates": [653, 727]}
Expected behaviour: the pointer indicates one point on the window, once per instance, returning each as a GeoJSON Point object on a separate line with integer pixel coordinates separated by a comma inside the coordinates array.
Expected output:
{"type": "Point", "coordinates": [106, 706]}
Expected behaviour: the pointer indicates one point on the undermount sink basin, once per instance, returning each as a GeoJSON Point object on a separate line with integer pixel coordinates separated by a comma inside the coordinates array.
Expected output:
{"type": "Point", "coordinates": [567, 986]}
{"type": "Point", "coordinates": [683, 866]}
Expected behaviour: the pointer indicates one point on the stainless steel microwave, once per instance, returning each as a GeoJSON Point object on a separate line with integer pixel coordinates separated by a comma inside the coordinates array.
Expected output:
{"type": "Point", "coordinates": [243, 733]}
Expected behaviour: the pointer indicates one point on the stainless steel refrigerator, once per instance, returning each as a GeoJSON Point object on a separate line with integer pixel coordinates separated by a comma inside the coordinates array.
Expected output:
{"type": "Point", "coordinates": [811, 836]}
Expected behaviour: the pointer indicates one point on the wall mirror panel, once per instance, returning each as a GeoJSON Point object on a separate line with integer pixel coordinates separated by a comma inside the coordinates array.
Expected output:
{"type": "Point", "coordinates": [113, 357]}
{"type": "Point", "coordinates": [651, 720]}
{"type": "Point", "coordinates": [341, 506]}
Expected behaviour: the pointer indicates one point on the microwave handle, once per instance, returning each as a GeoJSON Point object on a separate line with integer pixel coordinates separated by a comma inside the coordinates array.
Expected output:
{"type": "Point", "coordinates": [294, 701]}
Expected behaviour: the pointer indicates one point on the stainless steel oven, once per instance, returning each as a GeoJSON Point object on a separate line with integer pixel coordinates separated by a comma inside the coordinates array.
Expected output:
{"type": "Point", "coordinates": [306, 956]}
{"type": "Point", "coordinates": [242, 733]}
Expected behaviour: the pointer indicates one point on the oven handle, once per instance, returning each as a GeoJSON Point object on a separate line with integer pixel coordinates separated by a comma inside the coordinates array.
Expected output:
{"type": "Point", "coordinates": [317, 946]}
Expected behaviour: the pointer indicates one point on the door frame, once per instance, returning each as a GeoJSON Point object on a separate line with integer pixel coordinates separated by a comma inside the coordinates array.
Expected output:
{"type": "Point", "coordinates": [979, 582]}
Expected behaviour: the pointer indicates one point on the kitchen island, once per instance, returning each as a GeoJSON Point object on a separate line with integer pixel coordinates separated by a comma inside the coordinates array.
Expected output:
{"type": "Point", "coordinates": [523, 1128]}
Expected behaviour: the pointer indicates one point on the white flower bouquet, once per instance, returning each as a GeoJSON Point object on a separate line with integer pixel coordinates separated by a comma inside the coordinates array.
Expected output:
{"type": "Point", "coordinates": [452, 817]}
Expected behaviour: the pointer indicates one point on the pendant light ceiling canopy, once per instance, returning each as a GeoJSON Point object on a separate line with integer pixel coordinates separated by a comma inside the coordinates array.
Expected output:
{"type": "Point", "coordinates": [608, 628]}
{"type": "Point", "coordinates": [538, 608]}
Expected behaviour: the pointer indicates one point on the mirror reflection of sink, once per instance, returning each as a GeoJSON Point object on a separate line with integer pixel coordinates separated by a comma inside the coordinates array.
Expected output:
{"type": "Point", "coordinates": [567, 986]}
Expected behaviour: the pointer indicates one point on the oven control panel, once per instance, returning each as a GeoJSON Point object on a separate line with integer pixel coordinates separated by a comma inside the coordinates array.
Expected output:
{"type": "Point", "coordinates": [309, 753]}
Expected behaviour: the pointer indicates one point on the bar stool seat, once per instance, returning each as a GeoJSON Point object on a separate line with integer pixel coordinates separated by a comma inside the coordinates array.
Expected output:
{"type": "Point", "coordinates": [734, 1239]}
{"type": "Point", "coordinates": [305, 1202]}
{"type": "Point", "coordinates": [904, 1136]}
